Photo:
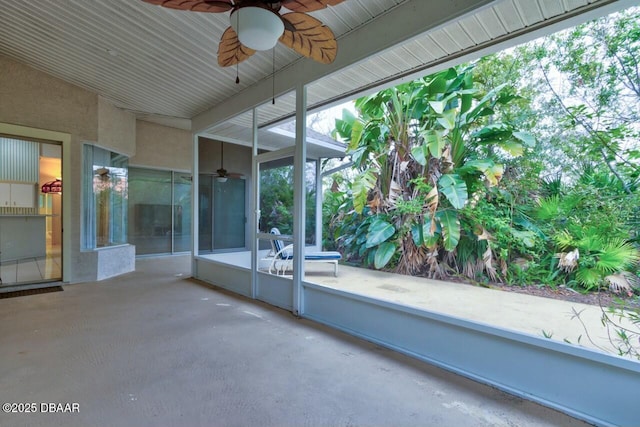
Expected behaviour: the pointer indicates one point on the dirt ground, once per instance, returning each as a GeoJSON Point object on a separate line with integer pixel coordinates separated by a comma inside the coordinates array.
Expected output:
{"type": "Point", "coordinates": [601, 298]}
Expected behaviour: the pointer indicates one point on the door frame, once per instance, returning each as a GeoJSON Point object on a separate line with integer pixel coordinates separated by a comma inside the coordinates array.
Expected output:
{"type": "Point", "coordinates": [59, 138]}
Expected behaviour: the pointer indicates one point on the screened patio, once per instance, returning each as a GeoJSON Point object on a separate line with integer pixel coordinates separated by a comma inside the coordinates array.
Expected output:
{"type": "Point", "coordinates": [489, 349]}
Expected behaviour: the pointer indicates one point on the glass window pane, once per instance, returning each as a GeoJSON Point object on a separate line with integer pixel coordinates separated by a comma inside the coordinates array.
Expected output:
{"type": "Point", "coordinates": [105, 188]}
{"type": "Point", "coordinates": [228, 214]}
{"type": "Point", "coordinates": [150, 228]}
{"type": "Point", "coordinates": [182, 212]}
{"type": "Point", "coordinates": [205, 215]}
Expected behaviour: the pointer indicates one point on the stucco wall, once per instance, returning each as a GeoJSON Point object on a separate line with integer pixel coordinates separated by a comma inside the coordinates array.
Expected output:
{"type": "Point", "coordinates": [31, 98]}
{"type": "Point", "coordinates": [162, 147]}
{"type": "Point", "coordinates": [116, 128]}
{"type": "Point", "coordinates": [36, 100]}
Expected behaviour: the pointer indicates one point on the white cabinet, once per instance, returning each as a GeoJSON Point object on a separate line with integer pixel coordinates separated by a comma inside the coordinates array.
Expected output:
{"type": "Point", "coordinates": [5, 194]}
{"type": "Point", "coordinates": [23, 195]}
{"type": "Point", "coordinates": [16, 195]}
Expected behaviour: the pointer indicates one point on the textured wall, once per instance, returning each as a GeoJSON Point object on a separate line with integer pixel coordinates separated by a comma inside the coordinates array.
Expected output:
{"type": "Point", "coordinates": [32, 98]}
{"type": "Point", "coordinates": [162, 147]}
{"type": "Point", "coordinates": [116, 129]}
{"type": "Point", "coordinates": [36, 100]}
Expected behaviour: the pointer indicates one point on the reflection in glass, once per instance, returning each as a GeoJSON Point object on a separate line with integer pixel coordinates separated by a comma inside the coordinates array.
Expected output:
{"type": "Point", "coordinates": [222, 213]}
{"type": "Point", "coordinates": [105, 187]}
{"type": "Point", "coordinates": [160, 208]}
{"type": "Point", "coordinates": [228, 214]}
{"type": "Point", "coordinates": [181, 212]}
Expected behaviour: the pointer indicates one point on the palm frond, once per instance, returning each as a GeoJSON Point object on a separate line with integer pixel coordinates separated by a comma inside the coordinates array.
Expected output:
{"type": "Point", "coordinates": [617, 255]}
{"type": "Point", "coordinates": [589, 277]}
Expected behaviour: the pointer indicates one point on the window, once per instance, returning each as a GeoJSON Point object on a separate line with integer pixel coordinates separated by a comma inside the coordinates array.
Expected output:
{"type": "Point", "coordinates": [160, 211]}
{"type": "Point", "coordinates": [105, 198]}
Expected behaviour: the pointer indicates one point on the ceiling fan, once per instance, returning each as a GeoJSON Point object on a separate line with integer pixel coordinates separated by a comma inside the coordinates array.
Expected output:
{"type": "Point", "coordinates": [221, 174]}
{"type": "Point", "coordinates": [258, 25]}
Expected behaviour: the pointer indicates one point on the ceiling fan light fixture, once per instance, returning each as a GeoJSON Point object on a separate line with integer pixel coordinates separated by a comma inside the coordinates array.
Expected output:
{"type": "Point", "coordinates": [257, 28]}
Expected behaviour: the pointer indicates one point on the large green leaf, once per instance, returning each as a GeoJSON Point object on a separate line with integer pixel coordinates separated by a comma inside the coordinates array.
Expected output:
{"type": "Point", "coordinates": [435, 142]}
{"type": "Point", "coordinates": [481, 165]}
{"type": "Point", "coordinates": [419, 153]}
{"type": "Point", "coordinates": [360, 189]}
{"type": "Point", "coordinates": [356, 134]}
{"type": "Point", "coordinates": [480, 108]}
{"type": "Point", "coordinates": [450, 229]}
{"type": "Point", "coordinates": [526, 138]}
{"type": "Point", "coordinates": [379, 231]}
{"type": "Point", "coordinates": [438, 106]}
{"type": "Point", "coordinates": [430, 232]}
{"type": "Point", "coordinates": [512, 147]}
{"type": "Point", "coordinates": [384, 253]}
{"type": "Point", "coordinates": [454, 189]}
{"type": "Point", "coordinates": [448, 119]}
{"type": "Point", "coordinates": [439, 84]}
{"type": "Point", "coordinates": [416, 233]}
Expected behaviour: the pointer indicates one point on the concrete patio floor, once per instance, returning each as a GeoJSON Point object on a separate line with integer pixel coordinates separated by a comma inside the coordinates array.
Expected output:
{"type": "Point", "coordinates": [155, 348]}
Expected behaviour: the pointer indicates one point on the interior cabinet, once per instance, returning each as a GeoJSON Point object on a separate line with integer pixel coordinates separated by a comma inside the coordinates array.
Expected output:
{"type": "Point", "coordinates": [17, 195]}
{"type": "Point", "coordinates": [5, 194]}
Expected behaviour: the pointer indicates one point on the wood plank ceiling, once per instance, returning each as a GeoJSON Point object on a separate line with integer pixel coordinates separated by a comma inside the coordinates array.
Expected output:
{"type": "Point", "coordinates": [161, 64]}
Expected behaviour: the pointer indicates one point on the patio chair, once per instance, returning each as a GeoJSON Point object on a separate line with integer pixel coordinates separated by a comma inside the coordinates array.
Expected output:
{"type": "Point", "coordinates": [283, 257]}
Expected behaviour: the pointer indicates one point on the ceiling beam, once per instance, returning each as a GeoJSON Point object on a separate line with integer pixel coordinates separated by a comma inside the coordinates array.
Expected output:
{"type": "Point", "coordinates": [405, 21]}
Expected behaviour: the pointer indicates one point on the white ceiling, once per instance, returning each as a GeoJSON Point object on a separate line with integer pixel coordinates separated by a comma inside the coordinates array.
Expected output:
{"type": "Point", "coordinates": [161, 63]}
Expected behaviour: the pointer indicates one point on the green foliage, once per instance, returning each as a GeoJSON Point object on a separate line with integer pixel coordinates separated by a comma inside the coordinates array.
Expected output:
{"type": "Point", "coordinates": [383, 255]}
{"type": "Point", "coordinates": [491, 171]}
{"type": "Point", "coordinates": [454, 189]}
{"type": "Point", "coordinates": [450, 229]}
{"type": "Point", "coordinates": [379, 231]}
{"type": "Point", "coordinates": [276, 201]}
{"type": "Point", "coordinates": [418, 149]}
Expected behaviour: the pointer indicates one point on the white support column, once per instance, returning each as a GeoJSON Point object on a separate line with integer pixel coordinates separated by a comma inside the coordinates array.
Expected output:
{"type": "Point", "coordinates": [319, 198]}
{"type": "Point", "coordinates": [255, 201]}
{"type": "Point", "coordinates": [299, 190]}
{"type": "Point", "coordinates": [195, 209]}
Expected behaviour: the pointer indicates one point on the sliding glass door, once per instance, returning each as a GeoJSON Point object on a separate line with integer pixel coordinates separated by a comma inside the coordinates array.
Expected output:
{"type": "Point", "coordinates": [222, 213]}
{"type": "Point", "coordinates": [160, 211]}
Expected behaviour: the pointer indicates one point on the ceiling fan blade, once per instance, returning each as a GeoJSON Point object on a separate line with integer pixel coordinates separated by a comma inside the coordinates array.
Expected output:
{"type": "Point", "coordinates": [308, 5]}
{"type": "Point", "coordinates": [212, 6]}
{"type": "Point", "coordinates": [230, 50]}
{"type": "Point", "coordinates": [309, 37]}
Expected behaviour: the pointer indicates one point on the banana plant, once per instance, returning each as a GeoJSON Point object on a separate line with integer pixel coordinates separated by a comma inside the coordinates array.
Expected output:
{"type": "Point", "coordinates": [421, 151]}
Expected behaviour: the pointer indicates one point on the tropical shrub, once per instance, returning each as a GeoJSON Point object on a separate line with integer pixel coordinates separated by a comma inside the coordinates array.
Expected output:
{"type": "Point", "coordinates": [424, 150]}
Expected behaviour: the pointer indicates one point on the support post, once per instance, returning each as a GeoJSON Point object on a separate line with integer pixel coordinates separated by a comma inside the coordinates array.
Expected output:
{"type": "Point", "coordinates": [299, 192]}
{"type": "Point", "coordinates": [255, 204]}
{"type": "Point", "coordinates": [319, 198]}
{"type": "Point", "coordinates": [195, 210]}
